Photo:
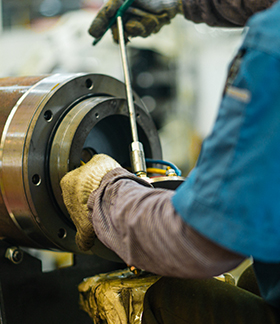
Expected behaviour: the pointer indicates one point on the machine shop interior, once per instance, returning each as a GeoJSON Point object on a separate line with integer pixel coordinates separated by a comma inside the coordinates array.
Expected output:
{"type": "Point", "coordinates": [179, 79]}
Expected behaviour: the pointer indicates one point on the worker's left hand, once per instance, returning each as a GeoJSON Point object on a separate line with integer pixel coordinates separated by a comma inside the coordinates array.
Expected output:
{"type": "Point", "coordinates": [76, 187]}
{"type": "Point", "coordinates": [143, 18]}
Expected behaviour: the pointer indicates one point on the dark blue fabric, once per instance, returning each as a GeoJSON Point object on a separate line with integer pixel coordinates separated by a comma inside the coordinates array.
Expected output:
{"type": "Point", "coordinates": [233, 194]}
{"type": "Point", "coordinates": [269, 281]}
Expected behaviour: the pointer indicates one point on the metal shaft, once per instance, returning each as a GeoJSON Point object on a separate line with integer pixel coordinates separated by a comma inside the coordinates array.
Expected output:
{"type": "Point", "coordinates": [137, 152]}
{"type": "Point", "coordinates": [129, 92]}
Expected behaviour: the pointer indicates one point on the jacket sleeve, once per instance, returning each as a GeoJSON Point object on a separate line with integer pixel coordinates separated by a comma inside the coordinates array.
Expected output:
{"type": "Point", "coordinates": [140, 224]}
{"type": "Point", "coordinates": [223, 13]}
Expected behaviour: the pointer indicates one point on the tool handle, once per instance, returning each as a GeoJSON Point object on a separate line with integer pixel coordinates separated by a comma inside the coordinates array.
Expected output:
{"type": "Point", "coordinates": [119, 13]}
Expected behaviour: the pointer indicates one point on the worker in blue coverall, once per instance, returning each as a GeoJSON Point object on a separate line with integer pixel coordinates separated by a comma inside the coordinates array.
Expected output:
{"type": "Point", "coordinates": [229, 206]}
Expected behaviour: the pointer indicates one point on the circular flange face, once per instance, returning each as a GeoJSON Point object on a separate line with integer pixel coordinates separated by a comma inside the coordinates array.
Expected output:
{"type": "Point", "coordinates": [66, 118]}
{"type": "Point", "coordinates": [95, 125]}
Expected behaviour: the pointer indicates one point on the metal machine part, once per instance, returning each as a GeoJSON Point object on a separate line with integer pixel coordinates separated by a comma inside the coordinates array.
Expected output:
{"type": "Point", "coordinates": [47, 125]}
{"type": "Point", "coordinates": [137, 155]}
{"type": "Point", "coordinates": [167, 182]}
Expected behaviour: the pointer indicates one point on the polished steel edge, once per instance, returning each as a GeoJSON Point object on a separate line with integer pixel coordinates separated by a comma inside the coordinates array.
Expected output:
{"type": "Point", "coordinates": [17, 199]}
{"type": "Point", "coordinates": [2, 145]}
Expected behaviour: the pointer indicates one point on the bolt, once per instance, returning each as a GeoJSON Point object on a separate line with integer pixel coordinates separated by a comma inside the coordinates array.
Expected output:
{"type": "Point", "coordinates": [14, 254]}
{"type": "Point", "coordinates": [171, 173]}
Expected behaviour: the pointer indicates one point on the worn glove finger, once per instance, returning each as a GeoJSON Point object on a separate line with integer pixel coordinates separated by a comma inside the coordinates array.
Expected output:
{"type": "Point", "coordinates": [76, 187]}
{"type": "Point", "coordinates": [75, 200]}
{"type": "Point", "coordinates": [141, 24]}
{"type": "Point", "coordinates": [144, 24]}
{"type": "Point", "coordinates": [101, 21]}
{"type": "Point", "coordinates": [115, 34]}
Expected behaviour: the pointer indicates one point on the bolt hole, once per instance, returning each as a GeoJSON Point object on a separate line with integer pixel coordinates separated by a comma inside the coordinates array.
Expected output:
{"type": "Point", "coordinates": [62, 233]}
{"type": "Point", "coordinates": [87, 154]}
{"type": "Point", "coordinates": [89, 84]}
{"type": "Point", "coordinates": [36, 179]}
{"type": "Point", "coordinates": [96, 115]}
{"type": "Point", "coordinates": [48, 115]}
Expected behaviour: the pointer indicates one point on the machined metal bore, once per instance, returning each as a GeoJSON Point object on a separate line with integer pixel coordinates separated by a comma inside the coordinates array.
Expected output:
{"type": "Point", "coordinates": [49, 125]}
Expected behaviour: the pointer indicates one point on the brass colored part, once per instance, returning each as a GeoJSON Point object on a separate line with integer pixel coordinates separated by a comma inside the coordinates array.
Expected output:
{"type": "Point", "coordinates": [135, 270]}
{"type": "Point", "coordinates": [227, 277]}
{"type": "Point", "coordinates": [156, 170]}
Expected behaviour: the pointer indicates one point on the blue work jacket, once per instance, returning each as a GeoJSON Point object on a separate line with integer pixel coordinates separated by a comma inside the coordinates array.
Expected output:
{"type": "Point", "coordinates": [233, 194]}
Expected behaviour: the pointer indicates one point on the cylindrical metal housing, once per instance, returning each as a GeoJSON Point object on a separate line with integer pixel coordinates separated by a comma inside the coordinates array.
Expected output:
{"type": "Point", "coordinates": [48, 124]}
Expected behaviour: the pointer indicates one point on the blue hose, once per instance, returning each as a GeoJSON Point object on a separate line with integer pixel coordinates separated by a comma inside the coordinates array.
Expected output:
{"type": "Point", "coordinates": [171, 165]}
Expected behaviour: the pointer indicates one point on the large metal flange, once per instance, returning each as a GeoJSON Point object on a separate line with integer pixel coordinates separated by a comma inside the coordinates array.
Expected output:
{"type": "Point", "coordinates": [45, 136]}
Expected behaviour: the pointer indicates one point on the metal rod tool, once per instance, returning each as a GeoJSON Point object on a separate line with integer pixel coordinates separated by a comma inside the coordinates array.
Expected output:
{"type": "Point", "coordinates": [137, 156]}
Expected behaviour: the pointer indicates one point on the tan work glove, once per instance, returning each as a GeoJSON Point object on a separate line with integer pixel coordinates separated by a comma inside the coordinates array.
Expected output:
{"type": "Point", "coordinates": [76, 187]}
{"type": "Point", "coordinates": [142, 19]}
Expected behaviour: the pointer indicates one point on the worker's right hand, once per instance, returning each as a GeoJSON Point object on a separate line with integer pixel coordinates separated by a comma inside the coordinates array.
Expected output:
{"type": "Point", "coordinates": [142, 19]}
